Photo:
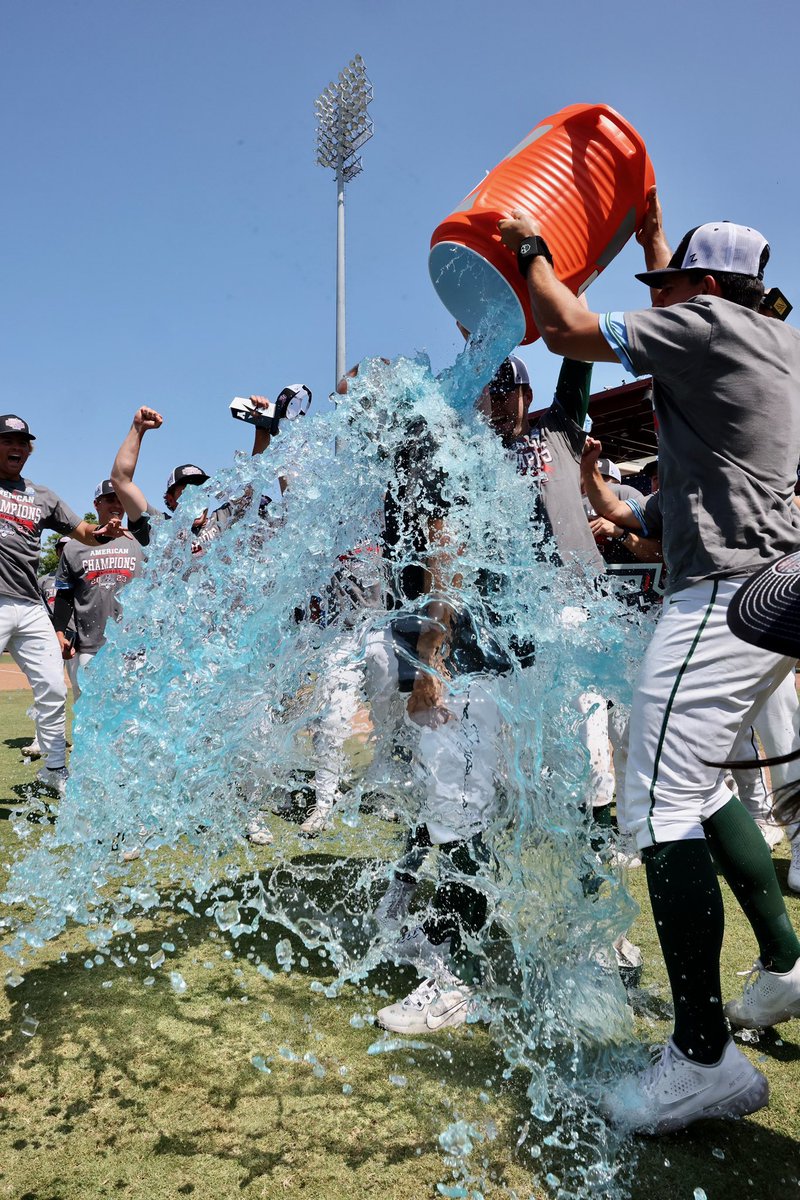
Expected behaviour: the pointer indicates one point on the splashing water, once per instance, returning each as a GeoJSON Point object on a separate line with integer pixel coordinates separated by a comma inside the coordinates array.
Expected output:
{"type": "Point", "coordinates": [208, 704]}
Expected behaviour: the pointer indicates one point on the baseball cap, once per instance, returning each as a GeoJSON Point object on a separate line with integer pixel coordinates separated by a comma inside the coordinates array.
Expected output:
{"type": "Point", "coordinates": [188, 473]}
{"type": "Point", "coordinates": [606, 467]}
{"type": "Point", "coordinates": [13, 424]}
{"type": "Point", "coordinates": [295, 399]}
{"type": "Point", "coordinates": [511, 373]}
{"type": "Point", "coordinates": [716, 246]}
{"type": "Point", "coordinates": [104, 488]}
{"type": "Point", "coordinates": [766, 609]}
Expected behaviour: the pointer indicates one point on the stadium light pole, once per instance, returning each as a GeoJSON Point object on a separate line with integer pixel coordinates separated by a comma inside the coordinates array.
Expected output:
{"type": "Point", "coordinates": [343, 126]}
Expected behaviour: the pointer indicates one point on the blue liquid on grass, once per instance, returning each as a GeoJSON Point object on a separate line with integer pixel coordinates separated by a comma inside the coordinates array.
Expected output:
{"type": "Point", "coordinates": [204, 704]}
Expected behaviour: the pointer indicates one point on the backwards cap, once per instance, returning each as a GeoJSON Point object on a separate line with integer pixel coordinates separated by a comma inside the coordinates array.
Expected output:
{"type": "Point", "coordinates": [717, 246]}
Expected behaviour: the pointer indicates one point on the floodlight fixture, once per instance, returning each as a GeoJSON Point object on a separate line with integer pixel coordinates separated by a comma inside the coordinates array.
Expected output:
{"type": "Point", "coordinates": [343, 127]}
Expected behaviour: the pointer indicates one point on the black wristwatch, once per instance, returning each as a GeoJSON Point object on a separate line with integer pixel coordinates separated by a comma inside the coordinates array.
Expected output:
{"type": "Point", "coordinates": [532, 247]}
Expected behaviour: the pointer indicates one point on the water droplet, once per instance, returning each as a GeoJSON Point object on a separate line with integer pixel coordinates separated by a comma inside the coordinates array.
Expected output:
{"type": "Point", "coordinates": [260, 1064]}
{"type": "Point", "coordinates": [177, 982]}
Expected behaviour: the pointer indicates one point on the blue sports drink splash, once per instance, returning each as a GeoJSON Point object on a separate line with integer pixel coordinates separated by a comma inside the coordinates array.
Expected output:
{"type": "Point", "coordinates": [205, 708]}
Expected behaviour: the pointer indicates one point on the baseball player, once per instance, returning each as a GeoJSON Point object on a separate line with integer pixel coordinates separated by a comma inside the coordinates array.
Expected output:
{"type": "Point", "coordinates": [26, 508]}
{"type": "Point", "coordinates": [727, 401]}
{"type": "Point", "coordinates": [47, 590]}
{"type": "Point", "coordinates": [87, 586]}
{"type": "Point", "coordinates": [636, 524]}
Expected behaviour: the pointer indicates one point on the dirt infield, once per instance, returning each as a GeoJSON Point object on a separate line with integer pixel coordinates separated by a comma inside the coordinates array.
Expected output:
{"type": "Point", "coordinates": [11, 678]}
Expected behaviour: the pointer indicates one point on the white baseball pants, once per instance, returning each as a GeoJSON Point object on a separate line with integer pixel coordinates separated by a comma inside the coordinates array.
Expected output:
{"type": "Point", "coordinates": [26, 631]}
{"type": "Point", "coordinates": [699, 689]}
{"type": "Point", "coordinates": [75, 666]}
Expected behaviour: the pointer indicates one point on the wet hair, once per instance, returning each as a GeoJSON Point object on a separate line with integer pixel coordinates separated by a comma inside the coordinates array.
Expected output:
{"type": "Point", "coordinates": [744, 290]}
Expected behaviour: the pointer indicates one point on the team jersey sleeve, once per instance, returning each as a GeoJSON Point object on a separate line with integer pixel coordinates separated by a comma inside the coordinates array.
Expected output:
{"type": "Point", "coordinates": [613, 329]}
{"type": "Point", "coordinates": [669, 343]}
{"type": "Point", "coordinates": [573, 389]}
{"type": "Point", "coordinates": [61, 518]}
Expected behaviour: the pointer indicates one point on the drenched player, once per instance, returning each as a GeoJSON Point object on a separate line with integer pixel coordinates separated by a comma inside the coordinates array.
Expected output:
{"type": "Point", "coordinates": [87, 586]}
{"type": "Point", "coordinates": [727, 399]}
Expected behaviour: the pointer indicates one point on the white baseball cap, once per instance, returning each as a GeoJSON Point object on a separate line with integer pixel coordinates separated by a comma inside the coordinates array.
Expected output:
{"type": "Point", "coordinates": [606, 467]}
{"type": "Point", "coordinates": [716, 246]}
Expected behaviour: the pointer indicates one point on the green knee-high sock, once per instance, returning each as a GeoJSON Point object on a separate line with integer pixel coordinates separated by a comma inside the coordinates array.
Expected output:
{"type": "Point", "coordinates": [744, 859]}
{"type": "Point", "coordinates": [690, 921]}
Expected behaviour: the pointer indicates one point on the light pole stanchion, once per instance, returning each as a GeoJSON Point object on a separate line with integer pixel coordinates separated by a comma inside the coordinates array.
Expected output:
{"type": "Point", "coordinates": [341, 334]}
{"type": "Point", "coordinates": [343, 126]}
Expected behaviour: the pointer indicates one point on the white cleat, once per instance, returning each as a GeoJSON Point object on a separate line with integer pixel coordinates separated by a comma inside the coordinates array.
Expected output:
{"type": "Point", "coordinates": [54, 778]}
{"type": "Point", "coordinates": [257, 832]}
{"type": "Point", "coordinates": [768, 998]}
{"type": "Point", "coordinates": [794, 866]}
{"type": "Point", "coordinates": [430, 1007]}
{"type": "Point", "coordinates": [317, 821]}
{"type": "Point", "coordinates": [675, 1092]}
{"type": "Point", "coordinates": [772, 834]}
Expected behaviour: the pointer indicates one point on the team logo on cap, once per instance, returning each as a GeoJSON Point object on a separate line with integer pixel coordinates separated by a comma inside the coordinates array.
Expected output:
{"type": "Point", "coordinates": [15, 423]}
{"type": "Point", "coordinates": [192, 471]}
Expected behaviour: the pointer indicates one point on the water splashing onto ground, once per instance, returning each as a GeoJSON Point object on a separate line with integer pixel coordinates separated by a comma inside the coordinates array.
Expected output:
{"type": "Point", "coordinates": [206, 707]}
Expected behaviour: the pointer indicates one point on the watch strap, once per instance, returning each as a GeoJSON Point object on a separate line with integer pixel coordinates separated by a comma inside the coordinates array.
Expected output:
{"type": "Point", "coordinates": [532, 247]}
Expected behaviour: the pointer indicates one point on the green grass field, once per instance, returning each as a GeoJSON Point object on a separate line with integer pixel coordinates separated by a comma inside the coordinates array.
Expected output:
{"type": "Point", "coordinates": [128, 1088]}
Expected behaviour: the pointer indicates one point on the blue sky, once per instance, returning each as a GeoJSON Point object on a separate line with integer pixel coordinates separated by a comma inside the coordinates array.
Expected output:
{"type": "Point", "coordinates": [168, 239]}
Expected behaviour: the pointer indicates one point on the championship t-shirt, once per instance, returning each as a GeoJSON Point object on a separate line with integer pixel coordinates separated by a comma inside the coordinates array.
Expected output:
{"type": "Point", "coordinates": [25, 510]}
{"type": "Point", "coordinates": [216, 523]}
{"type": "Point", "coordinates": [550, 456]}
{"type": "Point", "coordinates": [95, 575]}
{"type": "Point", "coordinates": [727, 399]}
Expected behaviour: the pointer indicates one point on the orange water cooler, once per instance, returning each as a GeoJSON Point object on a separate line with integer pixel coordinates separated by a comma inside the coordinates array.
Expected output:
{"type": "Point", "coordinates": [584, 174]}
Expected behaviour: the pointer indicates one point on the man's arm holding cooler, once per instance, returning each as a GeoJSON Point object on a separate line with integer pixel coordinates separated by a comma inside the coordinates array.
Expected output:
{"type": "Point", "coordinates": [566, 325]}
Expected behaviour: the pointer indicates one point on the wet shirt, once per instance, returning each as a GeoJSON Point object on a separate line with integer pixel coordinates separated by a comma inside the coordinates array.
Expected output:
{"type": "Point", "coordinates": [26, 509]}
{"type": "Point", "coordinates": [216, 523]}
{"type": "Point", "coordinates": [47, 590]}
{"type": "Point", "coordinates": [550, 456]}
{"type": "Point", "coordinates": [727, 399]}
{"type": "Point", "coordinates": [95, 575]}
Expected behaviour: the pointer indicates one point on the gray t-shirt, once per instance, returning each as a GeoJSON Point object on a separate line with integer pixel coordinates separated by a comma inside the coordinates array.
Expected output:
{"type": "Point", "coordinates": [550, 455]}
{"type": "Point", "coordinates": [25, 510]}
{"type": "Point", "coordinates": [727, 398]}
{"type": "Point", "coordinates": [95, 575]}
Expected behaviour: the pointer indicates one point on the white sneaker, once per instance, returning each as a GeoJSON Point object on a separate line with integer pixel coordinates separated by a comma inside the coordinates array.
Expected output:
{"type": "Point", "coordinates": [768, 998]}
{"type": "Point", "coordinates": [32, 750]}
{"type": "Point", "coordinates": [317, 821]}
{"type": "Point", "coordinates": [393, 907]}
{"type": "Point", "coordinates": [430, 1007]}
{"type": "Point", "coordinates": [794, 866]}
{"type": "Point", "coordinates": [257, 832]}
{"type": "Point", "coordinates": [54, 778]}
{"type": "Point", "coordinates": [675, 1092]}
{"type": "Point", "coordinates": [772, 834]}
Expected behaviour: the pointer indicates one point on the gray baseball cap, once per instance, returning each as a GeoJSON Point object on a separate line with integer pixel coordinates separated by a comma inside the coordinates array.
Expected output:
{"type": "Point", "coordinates": [716, 246]}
